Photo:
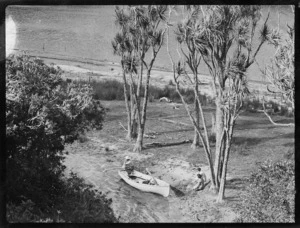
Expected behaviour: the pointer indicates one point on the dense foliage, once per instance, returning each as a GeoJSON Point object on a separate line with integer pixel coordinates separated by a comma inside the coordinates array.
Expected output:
{"type": "Point", "coordinates": [42, 114]}
{"type": "Point", "coordinates": [270, 196]}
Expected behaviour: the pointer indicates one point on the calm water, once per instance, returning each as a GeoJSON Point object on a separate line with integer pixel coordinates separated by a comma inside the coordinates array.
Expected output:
{"type": "Point", "coordinates": [87, 31]}
{"type": "Point", "coordinates": [70, 30]}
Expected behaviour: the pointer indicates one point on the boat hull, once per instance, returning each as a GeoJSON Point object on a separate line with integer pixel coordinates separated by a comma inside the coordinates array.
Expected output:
{"type": "Point", "coordinates": [163, 188]}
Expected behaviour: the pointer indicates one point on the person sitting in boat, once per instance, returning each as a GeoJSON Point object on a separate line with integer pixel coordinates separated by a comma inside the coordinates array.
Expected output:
{"type": "Point", "coordinates": [200, 180]}
{"type": "Point", "coordinates": [127, 166]}
{"type": "Point", "coordinates": [151, 181]}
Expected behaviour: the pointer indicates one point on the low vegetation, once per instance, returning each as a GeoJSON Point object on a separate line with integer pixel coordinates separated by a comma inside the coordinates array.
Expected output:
{"type": "Point", "coordinates": [114, 90]}
{"type": "Point", "coordinates": [253, 105]}
{"type": "Point", "coordinates": [42, 115]}
{"type": "Point", "coordinates": [270, 194]}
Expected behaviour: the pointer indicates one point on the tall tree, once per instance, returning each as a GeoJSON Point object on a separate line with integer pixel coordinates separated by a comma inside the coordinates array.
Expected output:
{"type": "Point", "coordinates": [281, 71]}
{"type": "Point", "coordinates": [184, 33]}
{"type": "Point", "coordinates": [122, 47]}
{"type": "Point", "coordinates": [142, 26]}
{"type": "Point", "coordinates": [224, 38]}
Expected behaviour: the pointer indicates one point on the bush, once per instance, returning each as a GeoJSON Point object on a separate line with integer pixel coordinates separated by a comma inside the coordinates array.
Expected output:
{"type": "Point", "coordinates": [108, 90]}
{"type": "Point", "coordinates": [80, 203]}
{"type": "Point", "coordinates": [42, 114]}
{"type": "Point", "coordinates": [270, 196]}
{"type": "Point", "coordinates": [77, 202]}
{"type": "Point", "coordinates": [252, 105]}
{"type": "Point", "coordinates": [114, 90]}
{"type": "Point", "coordinates": [255, 104]}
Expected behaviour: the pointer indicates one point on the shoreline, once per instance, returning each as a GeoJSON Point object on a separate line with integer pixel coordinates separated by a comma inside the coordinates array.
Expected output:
{"type": "Point", "coordinates": [76, 68]}
{"type": "Point", "coordinates": [90, 65]}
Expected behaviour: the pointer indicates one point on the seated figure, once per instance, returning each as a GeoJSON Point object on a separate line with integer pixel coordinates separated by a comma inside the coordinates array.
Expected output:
{"type": "Point", "coordinates": [127, 166]}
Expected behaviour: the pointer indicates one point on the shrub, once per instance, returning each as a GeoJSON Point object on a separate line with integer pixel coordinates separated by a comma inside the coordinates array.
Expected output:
{"type": "Point", "coordinates": [108, 90]}
{"type": "Point", "coordinates": [270, 195]}
{"type": "Point", "coordinates": [171, 83]}
{"type": "Point", "coordinates": [252, 105]}
{"type": "Point", "coordinates": [255, 104]}
{"type": "Point", "coordinates": [80, 203]}
{"type": "Point", "coordinates": [114, 90]}
{"type": "Point", "coordinates": [24, 212]}
{"type": "Point", "coordinates": [77, 202]}
{"type": "Point", "coordinates": [42, 114]}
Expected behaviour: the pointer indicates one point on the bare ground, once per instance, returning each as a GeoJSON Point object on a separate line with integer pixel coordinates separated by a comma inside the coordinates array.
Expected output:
{"type": "Point", "coordinates": [255, 140]}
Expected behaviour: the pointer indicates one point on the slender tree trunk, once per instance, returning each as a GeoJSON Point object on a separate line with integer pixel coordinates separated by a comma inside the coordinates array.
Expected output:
{"type": "Point", "coordinates": [197, 115]}
{"type": "Point", "coordinates": [225, 162]}
{"type": "Point", "coordinates": [223, 177]}
{"type": "Point", "coordinates": [139, 143]}
{"type": "Point", "coordinates": [204, 143]}
{"type": "Point", "coordinates": [213, 125]}
{"type": "Point", "coordinates": [219, 136]}
{"type": "Point", "coordinates": [133, 113]}
{"type": "Point", "coordinates": [128, 109]}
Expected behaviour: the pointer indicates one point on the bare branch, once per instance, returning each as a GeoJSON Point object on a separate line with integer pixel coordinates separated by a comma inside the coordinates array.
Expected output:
{"type": "Point", "coordinates": [259, 46]}
{"type": "Point", "coordinates": [269, 117]}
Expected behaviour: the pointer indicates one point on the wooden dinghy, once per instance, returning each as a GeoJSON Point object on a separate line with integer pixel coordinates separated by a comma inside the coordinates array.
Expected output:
{"type": "Point", "coordinates": [136, 181]}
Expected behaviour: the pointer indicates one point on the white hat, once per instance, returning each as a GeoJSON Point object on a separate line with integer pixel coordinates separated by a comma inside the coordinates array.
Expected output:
{"type": "Point", "coordinates": [127, 158]}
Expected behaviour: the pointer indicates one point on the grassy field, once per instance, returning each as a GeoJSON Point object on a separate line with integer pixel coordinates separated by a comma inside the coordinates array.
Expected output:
{"type": "Point", "coordinates": [255, 140]}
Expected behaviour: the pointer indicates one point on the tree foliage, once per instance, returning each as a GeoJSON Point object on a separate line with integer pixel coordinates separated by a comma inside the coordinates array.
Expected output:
{"type": "Point", "coordinates": [42, 114]}
{"type": "Point", "coordinates": [223, 38]}
{"type": "Point", "coordinates": [140, 34]}
{"type": "Point", "coordinates": [281, 71]}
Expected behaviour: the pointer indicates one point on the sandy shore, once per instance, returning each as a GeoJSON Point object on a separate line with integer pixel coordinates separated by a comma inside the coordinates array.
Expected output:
{"type": "Point", "coordinates": [91, 69]}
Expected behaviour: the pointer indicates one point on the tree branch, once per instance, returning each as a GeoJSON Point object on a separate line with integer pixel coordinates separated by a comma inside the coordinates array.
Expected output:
{"type": "Point", "coordinates": [269, 117]}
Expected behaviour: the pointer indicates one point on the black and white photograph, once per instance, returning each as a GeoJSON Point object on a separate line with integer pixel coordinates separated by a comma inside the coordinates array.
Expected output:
{"type": "Point", "coordinates": [150, 113]}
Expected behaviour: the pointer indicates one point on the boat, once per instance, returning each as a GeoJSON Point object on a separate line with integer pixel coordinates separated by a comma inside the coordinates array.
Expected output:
{"type": "Point", "coordinates": [136, 180]}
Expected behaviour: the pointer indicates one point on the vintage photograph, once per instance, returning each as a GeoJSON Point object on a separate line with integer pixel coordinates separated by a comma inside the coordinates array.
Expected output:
{"type": "Point", "coordinates": [150, 113]}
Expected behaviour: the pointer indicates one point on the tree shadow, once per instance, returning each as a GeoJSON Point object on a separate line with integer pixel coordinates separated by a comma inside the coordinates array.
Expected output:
{"type": "Point", "coordinates": [158, 144]}
{"type": "Point", "coordinates": [236, 183]}
{"type": "Point", "coordinates": [288, 136]}
{"type": "Point", "coordinates": [176, 131]}
{"type": "Point", "coordinates": [233, 198]}
{"type": "Point", "coordinates": [248, 141]}
{"type": "Point", "coordinates": [289, 145]}
{"type": "Point", "coordinates": [177, 192]}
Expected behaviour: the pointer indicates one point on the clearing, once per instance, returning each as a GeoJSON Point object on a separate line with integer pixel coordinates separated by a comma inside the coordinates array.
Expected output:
{"type": "Point", "coordinates": [99, 157]}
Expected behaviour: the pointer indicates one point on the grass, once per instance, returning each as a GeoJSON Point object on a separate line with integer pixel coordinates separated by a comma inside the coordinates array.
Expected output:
{"type": "Point", "coordinates": [255, 140]}
{"type": "Point", "coordinates": [113, 90]}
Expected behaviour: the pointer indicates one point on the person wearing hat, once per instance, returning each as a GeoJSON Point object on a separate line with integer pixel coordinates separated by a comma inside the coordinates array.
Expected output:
{"type": "Point", "coordinates": [127, 166]}
{"type": "Point", "coordinates": [200, 181]}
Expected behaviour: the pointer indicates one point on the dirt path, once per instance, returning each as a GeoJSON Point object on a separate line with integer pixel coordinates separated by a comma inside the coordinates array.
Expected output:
{"type": "Point", "coordinates": [97, 162]}
{"type": "Point", "coordinates": [98, 159]}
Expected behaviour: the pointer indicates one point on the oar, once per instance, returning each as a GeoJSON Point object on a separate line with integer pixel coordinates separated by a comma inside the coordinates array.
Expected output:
{"type": "Point", "coordinates": [147, 170]}
{"type": "Point", "coordinates": [151, 175]}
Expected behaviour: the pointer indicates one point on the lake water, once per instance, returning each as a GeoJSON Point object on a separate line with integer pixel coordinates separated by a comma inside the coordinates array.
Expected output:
{"type": "Point", "coordinates": [87, 32]}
